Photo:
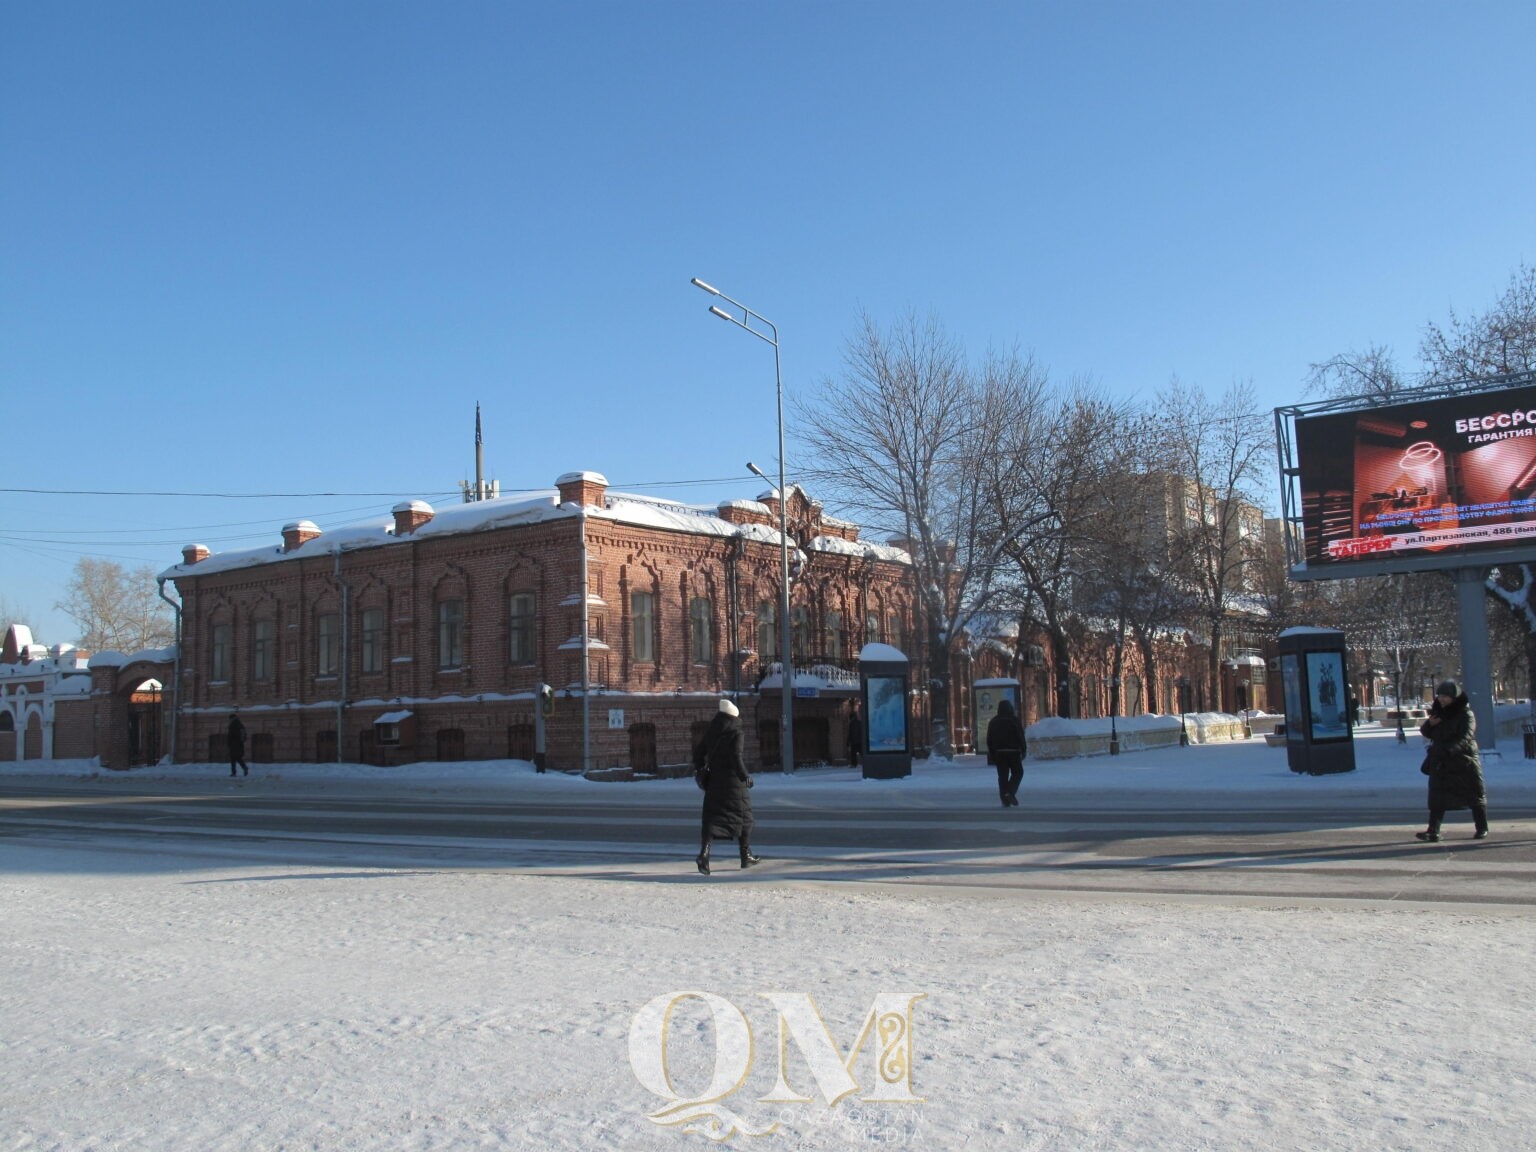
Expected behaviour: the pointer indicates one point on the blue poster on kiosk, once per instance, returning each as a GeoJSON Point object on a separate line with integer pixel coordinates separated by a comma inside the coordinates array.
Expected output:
{"type": "Point", "coordinates": [1315, 678]}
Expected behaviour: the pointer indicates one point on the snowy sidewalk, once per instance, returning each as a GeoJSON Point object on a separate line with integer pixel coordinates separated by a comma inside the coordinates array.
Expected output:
{"type": "Point", "coordinates": [349, 1009]}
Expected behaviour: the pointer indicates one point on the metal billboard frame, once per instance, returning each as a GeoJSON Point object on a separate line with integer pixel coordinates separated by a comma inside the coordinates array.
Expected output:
{"type": "Point", "coordinates": [1468, 570]}
{"type": "Point", "coordinates": [1290, 486]}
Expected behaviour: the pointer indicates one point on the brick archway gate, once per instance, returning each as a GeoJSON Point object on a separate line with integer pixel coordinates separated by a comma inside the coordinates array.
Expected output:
{"type": "Point", "coordinates": [132, 721]}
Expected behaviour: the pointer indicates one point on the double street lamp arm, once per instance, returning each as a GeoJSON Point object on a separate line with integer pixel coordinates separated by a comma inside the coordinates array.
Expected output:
{"type": "Point", "coordinates": [787, 675]}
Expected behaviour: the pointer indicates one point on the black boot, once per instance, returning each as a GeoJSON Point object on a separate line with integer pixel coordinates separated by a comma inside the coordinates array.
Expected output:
{"type": "Point", "coordinates": [747, 859]}
{"type": "Point", "coordinates": [1480, 821]}
{"type": "Point", "coordinates": [702, 860]}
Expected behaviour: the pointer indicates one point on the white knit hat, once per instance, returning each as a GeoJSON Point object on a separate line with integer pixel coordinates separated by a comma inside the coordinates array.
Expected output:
{"type": "Point", "coordinates": [729, 709]}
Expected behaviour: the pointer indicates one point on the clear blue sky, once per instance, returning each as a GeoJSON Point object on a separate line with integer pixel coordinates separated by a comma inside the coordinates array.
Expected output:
{"type": "Point", "coordinates": [286, 246]}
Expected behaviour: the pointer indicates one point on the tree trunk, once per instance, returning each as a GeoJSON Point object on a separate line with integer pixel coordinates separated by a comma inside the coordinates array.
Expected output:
{"type": "Point", "coordinates": [1214, 666]}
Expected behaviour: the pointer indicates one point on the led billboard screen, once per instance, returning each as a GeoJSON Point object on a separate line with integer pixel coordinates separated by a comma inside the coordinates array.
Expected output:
{"type": "Point", "coordinates": [1438, 477]}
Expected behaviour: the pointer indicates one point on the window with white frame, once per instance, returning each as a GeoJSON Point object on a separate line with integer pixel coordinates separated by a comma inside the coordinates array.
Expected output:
{"type": "Point", "coordinates": [219, 662]}
{"type": "Point", "coordinates": [767, 631]}
{"type": "Point", "coordinates": [835, 635]}
{"type": "Point", "coordinates": [700, 642]}
{"type": "Point", "coordinates": [521, 617]}
{"type": "Point", "coordinates": [263, 650]}
{"type": "Point", "coordinates": [327, 644]}
{"type": "Point", "coordinates": [450, 633]}
{"type": "Point", "coordinates": [373, 640]}
{"type": "Point", "coordinates": [642, 622]}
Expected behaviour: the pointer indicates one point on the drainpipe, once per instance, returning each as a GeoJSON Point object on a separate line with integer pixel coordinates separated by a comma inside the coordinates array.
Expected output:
{"type": "Point", "coordinates": [176, 672]}
{"type": "Point", "coordinates": [346, 661]}
{"type": "Point", "coordinates": [586, 662]}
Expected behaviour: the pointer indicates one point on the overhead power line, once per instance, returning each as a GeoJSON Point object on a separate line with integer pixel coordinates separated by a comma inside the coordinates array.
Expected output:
{"type": "Point", "coordinates": [223, 495]}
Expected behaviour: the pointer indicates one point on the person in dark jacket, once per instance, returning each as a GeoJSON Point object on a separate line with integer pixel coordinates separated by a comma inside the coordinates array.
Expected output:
{"type": "Point", "coordinates": [1453, 765]}
{"type": "Point", "coordinates": [727, 799]}
{"type": "Point", "coordinates": [237, 745]}
{"type": "Point", "coordinates": [1005, 749]}
{"type": "Point", "coordinates": [855, 735]}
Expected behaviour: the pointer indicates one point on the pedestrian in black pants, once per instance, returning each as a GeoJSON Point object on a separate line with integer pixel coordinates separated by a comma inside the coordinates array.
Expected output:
{"type": "Point", "coordinates": [1453, 764]}
{"type": "Point", "coordinates": [237, 745]}
{"type": "Point", "coordinates": [1006, 749]}
{"type": "Point", "coordinates": [855, 735]}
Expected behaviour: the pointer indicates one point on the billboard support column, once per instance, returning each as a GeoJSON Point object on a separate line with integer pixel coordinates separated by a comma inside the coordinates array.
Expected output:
{"type": "Point", "coordinates": [1476, 663]}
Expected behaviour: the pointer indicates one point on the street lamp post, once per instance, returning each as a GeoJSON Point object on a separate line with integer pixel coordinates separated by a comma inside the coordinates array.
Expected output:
{"type": "Point", "coordinates": [787, 676]}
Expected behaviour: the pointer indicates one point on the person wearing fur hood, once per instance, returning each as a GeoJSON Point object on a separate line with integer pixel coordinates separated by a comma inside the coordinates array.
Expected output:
{"type": "Point", "coordinates": [1453, 765]}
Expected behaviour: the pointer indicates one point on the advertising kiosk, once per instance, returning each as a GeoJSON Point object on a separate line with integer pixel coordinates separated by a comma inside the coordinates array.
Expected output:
{"type": "Point", "coordinates": [986, 695]}
{"type": "Point", "coordinates": [1313, 676]}
{"type": "Point", "coordinates": [884, 678]}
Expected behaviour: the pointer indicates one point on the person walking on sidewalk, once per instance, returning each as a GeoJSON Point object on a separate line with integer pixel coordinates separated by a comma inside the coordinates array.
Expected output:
{"type": "Point", "coordinates": [1005, 749]}
{"type": "Point", "coordinates": [237, 744]}
{"type": "Point", "coordinates": [1453, 764]}
{"type": "Point", "coordinates": [723, 775]}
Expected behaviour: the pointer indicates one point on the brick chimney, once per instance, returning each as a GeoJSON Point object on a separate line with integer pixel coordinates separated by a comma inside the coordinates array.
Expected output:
{"type": "Point", "coordinates": [582, 488]}
{"type": "Point", "coordinates": [192, 553]}
{"type": "Point", "coordinates": [745, 512]}
{"type": "Point", "coordinates": [295, 535]}
{"type": "Point", "coordinates": [411, 515]}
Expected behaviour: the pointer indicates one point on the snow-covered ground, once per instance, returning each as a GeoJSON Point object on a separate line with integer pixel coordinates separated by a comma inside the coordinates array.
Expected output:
{"type": "Point", "coordinates": [176, 1002]}
{"type": "Point", "coordinates": [1246, 772]}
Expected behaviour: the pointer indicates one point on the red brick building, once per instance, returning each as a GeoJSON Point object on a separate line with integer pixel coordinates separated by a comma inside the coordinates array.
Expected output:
{"type": "Point", "coordinates": [447, 624]}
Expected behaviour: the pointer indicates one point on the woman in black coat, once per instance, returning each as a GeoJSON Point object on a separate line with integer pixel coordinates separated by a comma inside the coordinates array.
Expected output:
{"type": "Point", "coordinates": [1454, 768]}
{"type": "Point", "coordinates": [1005, 749]}
{"type": "Point", "coordinates": [727, 796]}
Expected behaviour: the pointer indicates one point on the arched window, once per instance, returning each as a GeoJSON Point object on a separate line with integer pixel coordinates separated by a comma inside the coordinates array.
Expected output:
{"type": "Point", "coordinates": [834, 642]}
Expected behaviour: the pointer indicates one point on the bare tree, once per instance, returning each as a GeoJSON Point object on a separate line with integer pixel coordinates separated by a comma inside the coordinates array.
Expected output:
{"type": "Point", "coordinates": [13, 613]}
{"type": "Point", "coordinates": [1138, 576]}
{"type": "Point", "coordinates": [1476, 351]}
{"type": "Point", "coordinates": [1499, 342]}
{"type": "Point", "coordinates": [1220, 451]}
{"type": "Point", "coordinates": [1371, 373]}
{"type": "Point", "coordinates": [1048, 480]}
{"type": "Point", "coordinates": [899, 438]}
{"type": "Point", "coordinates": [116, 609]}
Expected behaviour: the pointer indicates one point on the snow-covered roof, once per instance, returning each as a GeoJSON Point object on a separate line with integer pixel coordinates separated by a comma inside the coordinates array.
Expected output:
{"type": "Point", "coordinates": [527, 508]}
{"type": "Point", "coordinates": [393, 717]}
{"type": "Point", "coordinates": [838, 546]}
{"type": "Point", "coordinates": [882, 652]}
{"type": "Point", "coordinates": [111, 659]}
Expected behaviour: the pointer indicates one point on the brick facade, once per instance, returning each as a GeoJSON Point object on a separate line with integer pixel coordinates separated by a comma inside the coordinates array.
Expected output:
{"type": "Point", "coordinates": [458, 616]}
